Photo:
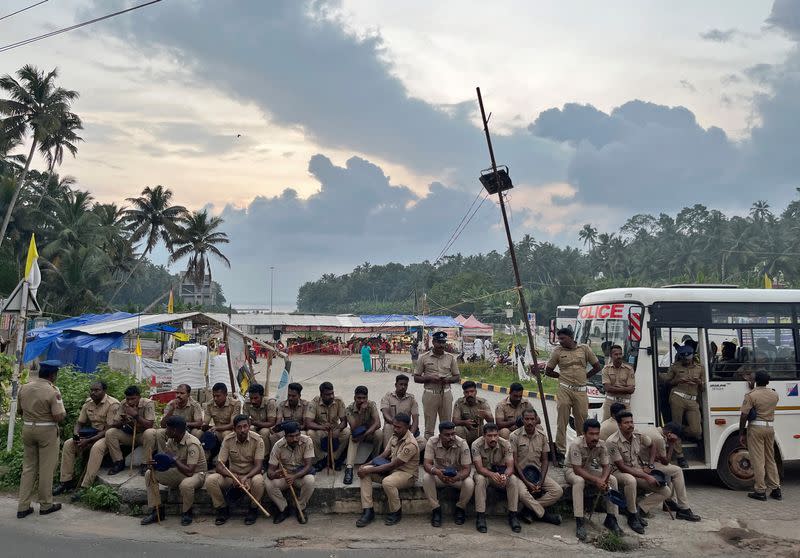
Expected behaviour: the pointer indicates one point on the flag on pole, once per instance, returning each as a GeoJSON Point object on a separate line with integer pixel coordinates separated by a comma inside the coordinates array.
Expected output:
{"type": "Point", "coordinates": [32, 273]}
{"type": "Point", "coordinates": [171, 304]}
{"type": "Point", "coordinates": [138, 353]}
{"type": "Point", "coordinates": [767, 280]}
{"type": "Point", "coordinates": [283, 385]}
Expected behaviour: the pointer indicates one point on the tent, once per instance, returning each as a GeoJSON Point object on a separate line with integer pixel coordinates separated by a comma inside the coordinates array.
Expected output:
{"type": "Point", "coordinates": [473, 327]}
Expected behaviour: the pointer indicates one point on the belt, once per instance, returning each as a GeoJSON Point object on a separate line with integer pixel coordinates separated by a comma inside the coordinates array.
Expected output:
{"type": "Point", "coordinates": [685, 395]}
{"type": "Point", "coordinates": [573, 388]}
{"type": "Point", "coordinates": [33, 423]}
{"type": "Point", "coordinates": [761, 423]}
{"type": "Point", "coordinates": [440, 389]}
{"type": "Point", "coordinates": [620, 399]}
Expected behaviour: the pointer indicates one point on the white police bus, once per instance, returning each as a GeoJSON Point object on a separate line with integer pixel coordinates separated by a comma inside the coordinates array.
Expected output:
{"type": "Point", "coordinates": [736, 331]}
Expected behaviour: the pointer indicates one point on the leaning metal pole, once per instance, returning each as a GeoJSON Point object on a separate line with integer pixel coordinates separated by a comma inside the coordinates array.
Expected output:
{"type": "Point", "coordinates": [520, 292]}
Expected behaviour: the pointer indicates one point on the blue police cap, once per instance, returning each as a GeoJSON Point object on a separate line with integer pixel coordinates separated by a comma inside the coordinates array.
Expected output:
{"type": "Point", "coordinates": [450, 471]}
{"type": "Point", "coordinates": [163, 462]}
{"type": "Point", "coordinates": [378, 461]}
{"type": "Point", "coordinates": [617, 498]}
{"type": "Point", "coordinates": [439, 336]}
{"type": "Point", "coordinates": [684, 350]}
{"type": "Point", "coordinates": [660, 476]}
{"type": "Point", "coordinates": [209, 441]}
{"type": "Point", "coordinates": [532, 474]}
{"type": "Point", "coordinates": [49, 366]}
{"type": "Point", "coordinates": [87, 432]}
{"type": "Point", "coordinates": [359, 430]}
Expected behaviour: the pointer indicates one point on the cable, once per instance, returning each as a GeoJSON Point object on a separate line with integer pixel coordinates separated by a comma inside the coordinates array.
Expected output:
{"type": "Point", "coordinates": [73, 27]}
{"type": "Point", "coordinates": [22, 10]}
{"type": "Point", "coordinates": [441, 252]}
{"type": "Point", "coordinates": [463, 228]}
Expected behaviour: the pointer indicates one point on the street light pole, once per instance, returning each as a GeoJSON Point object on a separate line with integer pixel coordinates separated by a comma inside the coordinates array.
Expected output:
{"type": "Point", "coordinates": [271, 280]}
{"type": "Point", "coordinates": [520, 292]}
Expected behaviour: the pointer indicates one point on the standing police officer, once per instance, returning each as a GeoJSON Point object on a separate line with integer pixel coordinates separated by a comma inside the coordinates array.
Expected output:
{"type": "Point", "coordinates": [758, 409]}
{"type": "Point", "coordinates": [687, 380]}
{"type": "Point", "coordinates": [437, 369]}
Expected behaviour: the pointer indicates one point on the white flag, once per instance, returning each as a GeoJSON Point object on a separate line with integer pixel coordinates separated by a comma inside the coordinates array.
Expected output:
{"type": "Point", "coordinates": [283, 385]}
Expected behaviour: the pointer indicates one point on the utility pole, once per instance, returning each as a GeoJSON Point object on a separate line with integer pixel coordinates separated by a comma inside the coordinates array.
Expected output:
{"type": "Point", "coordinates": [520, 292]}
{"type": "Point", "coordinates": [271, 281]}
{"type": "Point", "coordinates": [19, 353]}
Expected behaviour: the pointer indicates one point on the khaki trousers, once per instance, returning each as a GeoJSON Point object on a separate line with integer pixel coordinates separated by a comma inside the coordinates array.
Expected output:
{"type": "Point", "coordinates": [761, 446]}
{"type": "Point", "coordinates": [570, 402]}
{"type": "Point", "coordinates": [391, 484]}
{"type": "Point", "coordinates": [469, 434]}
{"type": "Point", "coordinates": [69, 452]}
{"type": "Point", "coordinates": [116, 438]}
{"type": "Point", "coordinates": [216, 483]}
{"type": "Point", "coordinates": [579, 484]}
{"type": "Point", "coordinates": [691, 411]}
{"type": "Point", "coordinates": [607, 407]}
{"type": "Point", "coordinates": [173, 479]}
{"type": "Point", "coordinates": [96, 454]}
{"type": "Point", "coordinates": [352, 448]}
{"type": "Point", "coordinates": [550, 494]}
{"type": "Point", "coordinates": [512, 490]}
{"type": "Point", "coordinates": [628, 483]}
{"type": "Point", "coordinates": [677, 483]}
{"type": "Point", "coordinates": [436, 403]}
{"type": "Point", "coordinates": [431, 482]}
{"type": "Point", "coordinates": [320, 452]}
{"type": "Point", "coordinates": [275, 488]}
{"type": "Point", "coordinates": [39, 462]}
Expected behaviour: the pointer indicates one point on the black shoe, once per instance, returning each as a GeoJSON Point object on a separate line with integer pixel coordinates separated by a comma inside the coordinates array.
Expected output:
{"type": "Point", "coordinates": [640, 514]}
{"type": "Point", "coordinates": [460, 516]}
{"type": "Point", "coordinates": [24, 513]}
{"type": "Point", "coordinates": [526, 516]}
{"type": "Point", "coordinates": [393, 518]}
{"type": "Point", "coordinates": [155, 515]}
{"type": "Point", "coordinates": [252, 515]}
{"type": "Point", "coordinates": [551, 518]}
{"type": "Point", "coordinates": [348, 476]}
{"type": "Point", "coordinates": [51, 509]}
{"type": "Point", "coordinates": [480, 522]}
{"type": "Point", "coordinates": [687, 515]}
{"type": "Point", "coordinates": [318, 466]}
{"type": "Point", "coordinates": [611, 524]}
{"type": "Point", "coordinates": [635, 524]}
{"type": "Point", "coordinates": [187, 517]}
{"type": "Point", "coordinates": [513, 522]}
{"type": "Point", "coordinates": [338, 465]}
{"type": "Point", "coordinates": [281, 516]}
{"type": "Point", "coordinates": [682, 463]}
{"type": "Point", "coordinates": [116, 468]}
{"type": "Point", "coordinates": [580, 528]}
{"type": "Point", "coordinates": [436, 517]}
{"type": "Point", "coordinates": [63, 487]}
{"type": "Point", "coordinates": [367, 517]}
{"type": "Point", "coordinates": [559, 459]}
{"type": "Point", "coordinates": [776, 494]}
{"type": "Point", "coordinates": [223, 514]}
{"type": "Point", "coordinates": [669, 505]}
{"type": "Point", "coordinates": [761, 496]}
{"type": "Point", "coordinates": [78, 496]}
{"type": "Point", "coordinates": [301, 518]}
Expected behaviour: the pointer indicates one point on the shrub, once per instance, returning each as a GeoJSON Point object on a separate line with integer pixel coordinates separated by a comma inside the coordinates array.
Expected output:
{"type": "Point", "coordinates": [101, 497]}
{"type": "Point", "coordinates": [7, 364]}
{"type": "Point", "coordinates": [11, 461]}
{"type": "Point", "coordinates": [612, 542]}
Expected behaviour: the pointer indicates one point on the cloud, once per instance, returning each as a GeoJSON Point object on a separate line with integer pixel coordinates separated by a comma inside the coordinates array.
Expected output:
{"type": "Point", "coordinates": [760, 73]}
{"type": "Point", "coordinates": [730, 79]}
{"type": "Point", "coordinates": [719, 35]}
{"type": "Point", "coordinates": [785, 15]}
{"type": "Point", "coordinates": [686, 84]}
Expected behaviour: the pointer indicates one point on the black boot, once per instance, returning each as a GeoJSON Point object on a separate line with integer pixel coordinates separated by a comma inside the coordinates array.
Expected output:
{"type": "Point", "coordinates": [460, 516]}
{"type": "Point", "coordinates": [551, 518]}
{"type": "Point", "coordinates": [611, 524]}
{"type": "Point", "coordinates": [281, 516]}
{"type": "Point", "coordinates": [156, 514]}
{"type": "Point", "coordinates": [252, 515]}
{"type": "Point", "coordinates": [436, 517]}
{"type": "Point", "coordinates": [682, 463]}
{"type": "Point", "coordinates": [687, 515]}
{"type": "Point", "coordinates": [580, 528]}
{"type": "Point", "coordinates": [526, 515]}
{"type": "Point", "coordinates": [348, 476]}
{"type": "Point", "coordinates": [393, 518]}
{"type": "Point", "coordinates": [513, 522]}
{"type": "Point", "coordinates": [634, 523]}
{"type": "Point", "coordinates": [480, 522]}
{"type": "Point", "coordinates": [63, 487]}
{"type": "Point", "coordinates": [761, 496]}
{"type": "Point", "coordinates": [52, 509]}
{"type": "Point", "coordinates": [187, 517]}
{"type": "Point", "coordinates": [117, 467]}
{"type": "Point", "coordinates": [367, 517]}
{"type": "Point", "coordinates": [222, 515]}
{"type": "Point", "coordinates": [775, 494]}
{"type": "Point", "coordinates": [642, 515]}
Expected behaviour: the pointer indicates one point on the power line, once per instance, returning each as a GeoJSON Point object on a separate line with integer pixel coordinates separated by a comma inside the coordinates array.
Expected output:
{"type": "Point", "coordinates": [73, 27]}
{"type": "Point", "coordinates": [22, 10]}
{"type": "Point", "coordinates": [457, 232]}
{"type": "Point", "coordinates": [446, 244]}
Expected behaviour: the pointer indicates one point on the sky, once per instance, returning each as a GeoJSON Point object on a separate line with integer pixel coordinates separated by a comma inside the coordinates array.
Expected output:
{"type": "Point", "coordinates": [330, 133]}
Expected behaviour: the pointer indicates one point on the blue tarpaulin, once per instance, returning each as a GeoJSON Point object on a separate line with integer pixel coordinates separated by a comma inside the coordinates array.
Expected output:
{"type": "Point", "coordinates": [439, 321]}
{"type": "Point", "coordinates": [385, 318]}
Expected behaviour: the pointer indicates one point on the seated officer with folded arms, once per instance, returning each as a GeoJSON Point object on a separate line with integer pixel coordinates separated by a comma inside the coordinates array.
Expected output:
{"type": "Point", "coordinates": [364, 421]}
{"type": "Point", "coordinates": [243, 450]}
{"type": "Point", "coordinates": [97, 414]}
{"type": "Point", "coordinates": [135, 414]}
{"type": "Point", "coordinates": [667, 440]}
{"type": "Point", "coordinates": [494, 466]}
{"type": "Point", "coordinates": [470, 412]}
{"type": "Point", "coordinates": [618, 381]}
{"type": "Point", "coordinates": [397, 467]}
{"type": "Point", "coordinates": [400, 401]}
{"type": "Point", "coordinates": [538, 491]}
{"type": "Point", "coordinates": [184, 405]}
{"type": "Point", "coordinates": [508, 413]}
{"type": "Point", "coordinates": [588, 463]}
{"type": "Point", "coordinates": [220, 410]}
{"type": "Point", "coordinates": [293, 409]}
{"type": "Point", "coordinates": [263, 414]}
{"type": "Point", "coordinates": [610, 426]}
{"type": "Point", "coordinates": [290, 464]}
{"type": "Point", "coordinates": [448, 462]}
{"type": "Point", "coordinates": [178, 463]}
{"type": "Point", "coordinates": [326, 418]}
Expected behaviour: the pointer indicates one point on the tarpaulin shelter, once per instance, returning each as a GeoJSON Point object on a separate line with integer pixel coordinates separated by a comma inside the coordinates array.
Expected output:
{"type": "Point", "coordinates": [473, 327]}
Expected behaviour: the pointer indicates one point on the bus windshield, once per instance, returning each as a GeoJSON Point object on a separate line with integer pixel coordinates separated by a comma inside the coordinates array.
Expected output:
{"type": "Point", "coordinates": [603, 325]}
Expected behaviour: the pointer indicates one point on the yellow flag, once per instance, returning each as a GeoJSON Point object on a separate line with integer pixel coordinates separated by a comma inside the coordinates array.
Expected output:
{"type": "Point", "coordinates": [138, 351]}
{"type": "Point", "coordinates": [33, 255]}
{"type": "Point", "coordinates": [180, 336]}
{"type": "Point", "coordinates": [767, 281]}
{"type": "Point", "coordinates": [171, 304]}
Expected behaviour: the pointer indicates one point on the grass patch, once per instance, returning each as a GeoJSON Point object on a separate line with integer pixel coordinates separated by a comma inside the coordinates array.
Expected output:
{"type": "Point", "coordinates": [101, 497]}
{"type": "Point", "coordinates": [611, 542]}
{"type": "Point", "coordinates": [502, 376]}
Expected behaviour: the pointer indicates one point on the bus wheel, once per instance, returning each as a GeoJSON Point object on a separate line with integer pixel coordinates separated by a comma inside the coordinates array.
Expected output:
{"type": "Point", "coordinates": [734, 467]}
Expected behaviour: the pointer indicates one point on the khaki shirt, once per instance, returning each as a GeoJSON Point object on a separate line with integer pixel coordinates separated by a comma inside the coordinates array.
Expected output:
{"type": "Point", "coordinates": [619, 377]}
{"type": "Point", "coordinates": [463, 411]}
{"type": "Point", "coordinates": [192, 412]}
{"type": "Point", "coordinates": [146, 410]}
{"type": "Point", "coordinates": [608, 427]}
{"type": "Point", "coordinates": [455, 455]}
{"type": "Point", "coordinates": [326, 414]}
{"type": "Point", "coordinates": [443, 366]}
{"type": "Point", "coordinates": [678, 372]}
{"type": "Point", "coordinates": [292, 458]}
{"type": "Point", "coordinates": [528, 449]}
{"type": "Point", "coordinates": [267, 410]}
{"type": "Point", "coordinates": [572, 363]}
{"type": "Point", "coordinates": [505, 411]}
{"type": "Point", "coordinates": [286, 413]}
{"type": "Point", "coordinates": [406, 450]}
{"type": "Point", "coordinates": [392, 404]}
{"type": "Point", "coordinates": [764, 400]}
{"type": "Point", "coordinates": [579, 455]}
{"type": "Point", "coordinates": [491, 456]}
{"type": "Point", "coordinates": [99, 415]}
{"type": "Point", "coordinates": [241, 456]}
{"type": "Point", "coordinates": [221, 415]}
{"type": "Point", "coordinates": [187, 450]}
{"type": "Point", "coordinates": [362, 417]}
{"type": "Point", "coordinates": [39, 401]}
{"type": "Point", "coordinates": [628, 451]}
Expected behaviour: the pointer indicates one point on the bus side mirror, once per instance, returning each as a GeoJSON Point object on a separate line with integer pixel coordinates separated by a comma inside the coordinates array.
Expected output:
{"type": "Point", "coordinates": [635, 314]}
{"type": "Point", "coordinates": [552, 331]}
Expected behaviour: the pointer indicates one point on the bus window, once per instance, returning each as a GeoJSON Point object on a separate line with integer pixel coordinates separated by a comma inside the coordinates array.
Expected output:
{"type": "Point", "coordinates": [770, 349]}
{"type": "Point", "coordinates": [601, 334]}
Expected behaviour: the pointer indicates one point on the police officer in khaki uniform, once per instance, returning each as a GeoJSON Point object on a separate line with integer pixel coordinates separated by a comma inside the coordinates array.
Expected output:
{"type": "Point", "coordinates": [508, 413]}
{"type": "Point", "coordinates": [436, 370]}
{"type": "Point", "coordinates": [618, 381]}
{"type": "Point", "coordinates": [263, 414]}
{"type": "Point", "coordinates": [494, 466]}
{"type": "Point", "coordinates": [530, 449]}
{"type": "Point", "coordinates": [293, 454]}
{"type": "Point", "coordinates": [221, 410]}
{"type": "Point", "coordinates": [609, 426]}
{"type": "Point", "coordinates": [42, 409]}
{"type": "Point", "coordinates": [364, 421]}
{"type": "Point", "coordinates": [470, 412]}
{"type": "Point", "coordinates": [326, 416]}
{"type": "Point", "coordinates": [398, 468]}
{"type": "Point", "coordinates": [687, 379]}
{"type": "Point", "coordinates": [186, 406]}
{"type": "Point", "coordinates": [667, 440]}
{"type": "Point", "coordinates": [400, 401]}
{"type": "Point", "coordinates": [588, 462]}
{"type": "Point", "coordinates": [243, 450]}
{"type": "Point", "coordinates": [572, 360]}
{"type": "Point", "coordinates": [185, 469]}
{"type": "Point", "coordinates": [757, 433]}
{"type": "Point", "coordinates": [448, 462]}
{"type": "Point", "coordinates": [136, 414]}
{"type": "Point", "coordinates": [293, 409]}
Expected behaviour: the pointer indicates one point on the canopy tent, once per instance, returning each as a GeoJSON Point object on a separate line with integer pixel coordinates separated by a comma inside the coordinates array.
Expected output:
{"type": "Point", "coordinates": [473, 327]}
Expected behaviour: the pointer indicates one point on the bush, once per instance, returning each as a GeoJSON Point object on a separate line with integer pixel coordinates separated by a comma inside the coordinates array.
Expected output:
{"type": "Point", "coordinates": [11, 461]}
{"type": "Point", "coordinates": [101, 497]}
{"type": "Point", "coordinates": [6, 372]}
{"type": "Point", "coordinates": [612, 542]}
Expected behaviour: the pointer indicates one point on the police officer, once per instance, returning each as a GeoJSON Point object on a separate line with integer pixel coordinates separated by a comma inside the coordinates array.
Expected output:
{"type": "Point", "coordinates": [221, 410]}
{"type": "Point", "coordinates": [757, 433]}
{"type": "Point", "coordinates": [292, 409]}
{"type": "Point", "coordinates": [186, 406]}
{"type": "Point", "coordinates": [508, 413]}
{"type": "Point", "coordinates": [364, 421]}
{"type": "Point", "coordinates": [326, 417]}
{"type": "Point", "coordinates": [572, 360]}
{"type": "Point", "coordinates": [470, 412]}
{"type": "Point", "coordinates": [42, 409]}
{"type": "Point", "coordinates": [290, 464]}
{"type": "Point", "coordinates": [687, 379]}
{"type": "Point", "coordinates": [263, 413]}
{"type": "Point", "coordinates": [618, 381]}
{"type": "Point", "coordinates": [609, 426]}
{"type": "Point", "coordinates": [135, 416]}
{"type": "Point", "coordinates": [448, 462]}
{"type": "Point", "coordinates": [400, 401]}
{"type": "Point", "coordinates": [667, 437]}
{"type": "Point", "coordinates": [494, 466]}
{"type": "Point", "coordinates": [436, 370]}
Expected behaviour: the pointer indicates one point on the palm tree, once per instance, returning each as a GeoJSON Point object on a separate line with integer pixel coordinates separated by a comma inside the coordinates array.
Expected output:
{"type": "Point", "coordinates": [760, 212]}
{"type": "Point", "coordinates": [35, 106]}
{"type": "Point", "coordinates": [63, 137]}
{"type": "Point", "coordinates": [198, 239]}
{"type": "Point", "coordinates": [73, 223]}
{"type": "Point", "coordinates": [588, 234]}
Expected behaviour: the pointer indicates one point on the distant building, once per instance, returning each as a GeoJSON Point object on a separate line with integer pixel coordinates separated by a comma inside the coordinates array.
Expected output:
{"type": "Point", "coordinates": [204, 295]}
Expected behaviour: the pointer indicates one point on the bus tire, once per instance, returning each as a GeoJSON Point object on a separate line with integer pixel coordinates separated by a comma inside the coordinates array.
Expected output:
{"type": "Point", "coordinates": [734, 468]}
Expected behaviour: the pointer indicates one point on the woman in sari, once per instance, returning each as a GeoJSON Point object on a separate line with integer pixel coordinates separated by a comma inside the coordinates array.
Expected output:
{"type": "Point", "coordinates": [366, 358]}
